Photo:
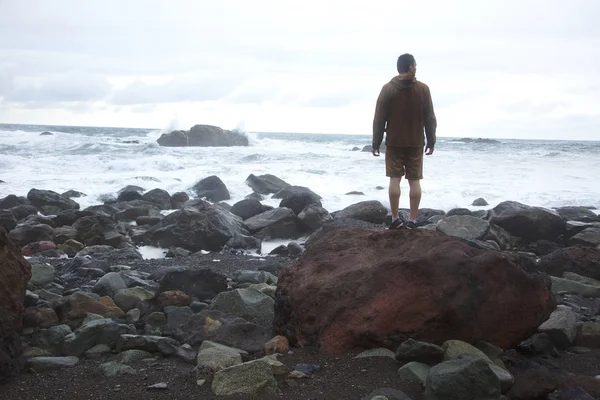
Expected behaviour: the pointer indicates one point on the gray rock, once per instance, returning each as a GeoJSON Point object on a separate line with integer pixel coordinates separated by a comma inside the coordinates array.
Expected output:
{"type": "Point", "coordinates": [139, 279]}
{"type": "Point", "coordinates": [372, 211]}
{"type": "Point", "coordinates": [212, 188]}
{"type": "Point", "coordinates": [454, 349]}
{"type": "Point", "coordinates": [581, 279]}
{"type": "Point", "coordinates": [506, 379]}
{"type": "Point", "coordinates": [48, 296]}
{"type": "Point", "coordinates": [155, 323]}
{"type": "Point", "coordinates": [152, 344]}
{"type": "Point", "coordinates": [40, 364]}
{"type": "Point", "coordinates": [253, 378]}
{"type": "Point", "coordinates": [266, 184]}
{"type": "Point", "coordinates": [588, 335]}
{"type": "Point", "coordinates": [176, 316]}
{"type": "Point", "coordinates": [112, 369]}
{"type": "Point", "coordinates": [133, 315]}
{"type": "Point", "coordinates": [214, 359]}
{"type": "Point", "coordinates": [313, 217]}
{"type": "Point", "coordinates": [412, 350]}
{"type": "Point", "coordinates": [208, 344]}
{"type": "Point", "coordinates": [158, 386]}
{"type": "Point", "coordinates": [414, 371]}
{"type": "Point", "coordinates": [248, 276]}
{"type": "Point", "coordinates": [41, 274]}
{"type": "Point", "coordinates": [587, 237]}
{"type": "Point", "coordinates": [479, 202]}
{"type": "Point", "coordinates": [464, 226]}
{"type": "Point", "coordinates": [561, 285]}
{"type": "Point", "coordinates": [109, 284]}
{"type": "Point", "coordinates": [528, 223]}
{"type": "Point", "coordinates": [462, 379]}
{"type": "Point", "coordinates": [127, 299]}
{"type": "Point", "coordinates": [97, 351]}
{"type": "Point", "coordinates": [56, 334]}
{"type": "Point", "coordinates": [278, 223]}
{"type": "Point", "coordinates": [380, 352]}
{"type": "Point", "coordinates": [249, 304]}
{"type": "Point", "coordinates": [100, 331]}
{"type": "Point", "coordinates": [561, 326]}
{"type": "Point", "coordinates": [131, 356]}
{"type": "Point", "coordinates": [386, 394]}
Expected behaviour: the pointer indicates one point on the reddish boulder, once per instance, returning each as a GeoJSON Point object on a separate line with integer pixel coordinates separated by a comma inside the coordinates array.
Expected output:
{"type": "Point", "coordinates": [15, 272]}
{"type": "Point", "coordinates": [174, 298]}
{"type": "Point", "coordinates": [377, 288]}
{"type": "Point", "coordinates": [582, 260]}
{"type": "Point", "coordinates": [37, 247]}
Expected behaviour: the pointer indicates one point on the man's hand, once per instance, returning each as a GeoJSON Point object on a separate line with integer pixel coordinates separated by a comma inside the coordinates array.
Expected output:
{"type": "Point", "coordinates": [375, 152]}
{"type": "Point", "coordinates": [428, 151]}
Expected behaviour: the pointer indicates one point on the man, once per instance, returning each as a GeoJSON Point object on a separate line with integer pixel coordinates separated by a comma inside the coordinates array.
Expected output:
{"type": "Point", "coordinates": [404, 108]}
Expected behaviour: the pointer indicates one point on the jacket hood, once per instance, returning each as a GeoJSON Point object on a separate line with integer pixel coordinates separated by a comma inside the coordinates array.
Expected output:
{"type": "Point", "coordinates": [405, 80]}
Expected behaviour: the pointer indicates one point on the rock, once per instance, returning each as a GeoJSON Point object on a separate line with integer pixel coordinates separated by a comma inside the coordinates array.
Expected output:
{"type": "Point", "coordinates": [587, 237]}
{"type": "Point", "coordinates": [454, 349]}
{"type": "Point", "coordinates": [465, 379]}
{"type": "Point", "coordinates": [46, 133]}
{"type": "Point", "coordinates": [202, 283]}
{"type": "Point", "coordinates": [299, 200]}
{"type": "Point", "coordinates": [15, 273]}
{"type": "Point", "coordinates": [160, 197]}
{"type": "Point", "coordinates": [128, 299]}
{"type": "Point", "coordinates": [253, 378]}
{"type": "Point", "coordinates": [386, 394]}
{"type": "Point", "coordinates": [414, 371]}
{"type": "Point", "coordinates": [313, 217]}
{"type": "Point", "coordinates": [41, 198]}
{"type": "Point", "coordinates": [479, 202]}
{"type": "Point", "coordinates": [40, 364]}
{"type": "Point", "coordinates": [79, 305]}
{"type": "Point", "coordinates": [73, 194]}
{"type": "Point", "coordinates": [132, 356]}
{"type": "Point", "coordinates": [41, 274]}
{"type": "Point", "coordinates": [538, 344]}
{"type": "Point", "coordinates": [422, 352]}
{"type": "Point", "coordinates": [155, 323]}
{"type": "Point", "coordinates": [130, 193]}
{"type": "Point", "coordinates": [55, 334]}
{"type": "Point", "coordinates": [279, 344]}
{"type": "Point", "coordinates": [473, 228]}
{"type": "Point", "coordinates": [456, 212]}
{"type": "Point", "coordinates": [158, 386]}
{"type": "Point", "coordinates": [203, 136]}
{"type": "Point", "coordinates": [266, 184]}
{"type": "Point", "coordinates": [386, 272]}
{"type": "Point", "coordinates": [560, 285]}
{"type": "Point", "coordinates": [249, 304]}
{"type": "Point", "coordinates": [215, 358]}
{"type": "Point", "coordinates": [249, 276]}
{"type": "Point", "coordinates": [571, 393]}
{"type": "Point", "coordinates": [151, 344]}
{"type": "Point", "coordinates": [207, 228]}
{"type": "Point", "coordinates": [379, 352]}
{"type": "Point", "coordinates": [212, 188]}
{"type": "Point", "coordinates": [109, 284]}
{"type": "Point", "coordinates": [248, 208]}
{"type": "Point", "coordinates": [176, 316]}
{"type": "Point", "coordinates": [574, 213]}
{"type": "Point", "coordinates": [9, 201]}
{"type": "Point", "coordinates": [174, 298]}
{"type": "Point", "coordinates": [98, 230]}
{"type": "Point", "coordinates": [581, 260]}
{"type": "Point", "coordinates": [561, 327]}
{"type": "Point", "coordinates": [99, 331]}
{"type": "Point", "coordinates": [278, 223]}
{"type": "Point", "coordinates": [38, 317]}
{"type": "Point", "coordinates": [111, 369]}
{"type": "Point", "coordinates": [528, 223]}
{"type": "Point", "coordinates": [370, 211]}
{"type": "Point", "coordinates": [23, 211]}
{"type": "Point", "coordinates": [97, 352]}
{"type": "Point", "coordinates": [24, 234]}
{"type": "Point", "coordinates": [133, 315]}
{"type": "Point", "coordinates": [178, 199]}
{"type": "Point", "coordinates": [243, 242]}
{"type": "Point", "coordinates": [7, 220]}
{"type": "Point", "coordinates": [588, 335]}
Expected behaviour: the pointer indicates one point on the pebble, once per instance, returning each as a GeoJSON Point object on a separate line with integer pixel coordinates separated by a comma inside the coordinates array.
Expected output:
{"type": "Point", "coordinates": [158, 386]}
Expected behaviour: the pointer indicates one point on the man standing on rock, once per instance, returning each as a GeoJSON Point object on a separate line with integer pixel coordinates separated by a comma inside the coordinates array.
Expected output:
{"type": "Point", "coordinates": [404, 107]}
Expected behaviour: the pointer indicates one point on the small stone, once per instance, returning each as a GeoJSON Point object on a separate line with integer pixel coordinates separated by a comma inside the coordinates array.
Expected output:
{"type": "Point", "coordinates": [380, 352]}
{"type": "Point", "coordinates": [279, 344]}
{"type": "Point", "coordinates": [97, 351]}
{"type": "Point", "coordinates": [112, 369]}
{"type": "Point", "coordinates": [277, 366]}
{"type": "Point", "coordinates": [131, 356]}
{"type": "Point", "coordinates": [50, 363]}
{"type": "Point", "coordinates": [412, 350]}
{"type": "Point", "coordinates": [414, 371]}
{"type": "Point", "coordinates": [158, 386]}
{"type": "Point", "coordinates": [561, 326]}
{"type": "Point", "coordinates": [298, 375]}
{"type": "Point", "coordinates": [133, 315]}
{"type": "Point", "coordinates": [308, 369]}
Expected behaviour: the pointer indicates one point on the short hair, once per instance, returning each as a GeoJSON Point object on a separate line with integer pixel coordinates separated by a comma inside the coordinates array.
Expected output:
{"type": "Point", "coordinates": [404, 62]}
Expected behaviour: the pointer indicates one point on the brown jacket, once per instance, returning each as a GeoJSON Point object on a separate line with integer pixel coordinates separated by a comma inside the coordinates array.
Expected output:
{"type": "Point", "coordinates": [403, 109]}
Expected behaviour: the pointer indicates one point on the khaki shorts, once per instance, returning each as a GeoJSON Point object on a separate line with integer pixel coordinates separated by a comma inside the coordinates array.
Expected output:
{"type": "Point", "coordinates": [400, 161]}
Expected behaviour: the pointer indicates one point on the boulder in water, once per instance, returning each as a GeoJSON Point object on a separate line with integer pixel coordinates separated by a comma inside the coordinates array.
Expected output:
{"type": "Point", "coordinates": [376, 288]}
{"type": "Point", "coordinates": [266, 184]}
{"type": "Point", "coordinates": [212, 188]}
{"type": "Point", "coordinates": [203, 136]}
{"type": "Point", "coordinates": [527, 222]}
{"type": "Point", "coordinates": [42, 198]}
{"type": "Point", "coordinates": [278, 223]}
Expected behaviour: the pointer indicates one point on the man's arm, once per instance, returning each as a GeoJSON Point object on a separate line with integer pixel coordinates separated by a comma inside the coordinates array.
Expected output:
{"type": "Point", "coordinates": [429, 120]}
{"type": "Point", "coordinates": [381, 114]}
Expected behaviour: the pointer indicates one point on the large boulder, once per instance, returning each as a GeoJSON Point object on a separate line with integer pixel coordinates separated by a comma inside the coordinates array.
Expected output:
{"type": "Point", "coordinates": [248, 208]}
{"type": "Point", "coordinates": [582, 260]}
{"type": "Point", "coordinates": [25, 234]}
{"type": "Point", "coordinates": [370, 211]}
{"type": "Point", "coordinates": [44, 198]}
{"type": "Point", "coordinates": [99, 230]}
{"type": "Point", "coordinates": [278, 223]}
{"type": "Point", "coordinates": [266, 184]}
{"type": "Point", "coordinates": [575, 213]}
{"type": "Point", "coordinates": [377, 288]}
{"type": "Point", "coordinates": [160, 197]}
{"type": "Point", "coordinates": [587, 237]}
{"type": "Point", "coordinates": [527, 222]}
{"type": "Point", "coordinates": [201, 284]}
{"type": "Point", "coordinates": [473, 228]}
{"type": "Point", "coordinates": [15, 273]}
{"type": "Point", "coordinates": [207, 227]}
{"type": "Point", "coordinates": [7, 220]}
{"type": "Point", "coordinates": [203, 136]}
{"type": "Point", "coordinates": [298, 201]}
{"type": "Point", "coordinates": [212, 188]}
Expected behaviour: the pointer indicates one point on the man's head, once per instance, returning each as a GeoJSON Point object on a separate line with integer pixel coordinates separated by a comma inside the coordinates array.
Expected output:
{"type": "Point", "coordinates": [406, 63]}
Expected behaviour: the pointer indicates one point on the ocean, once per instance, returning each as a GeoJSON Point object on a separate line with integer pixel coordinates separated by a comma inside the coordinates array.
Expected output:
{"type": "Point", "coordinates": [99, 161]}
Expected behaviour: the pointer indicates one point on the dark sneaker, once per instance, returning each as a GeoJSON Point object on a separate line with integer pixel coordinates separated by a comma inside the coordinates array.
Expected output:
{"type": "Point", "coordinates": [411, 224]}
{"type": "Point", "coordinates": [396, 224]}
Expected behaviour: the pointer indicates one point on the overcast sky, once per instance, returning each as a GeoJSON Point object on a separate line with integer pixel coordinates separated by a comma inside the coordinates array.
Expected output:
{"type": "Point", "coordinates": [517, 69]}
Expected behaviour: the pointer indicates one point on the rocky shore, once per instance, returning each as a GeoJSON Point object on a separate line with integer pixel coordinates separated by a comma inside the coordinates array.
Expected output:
{"type": "Point", "coordinates": [501, 302]}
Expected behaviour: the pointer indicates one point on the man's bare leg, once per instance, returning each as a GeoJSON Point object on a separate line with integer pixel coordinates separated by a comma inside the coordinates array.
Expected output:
{"type": "Point", "coordinates": [415, 197]}
{"type": "Point", "coordinates": [394, 193]}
